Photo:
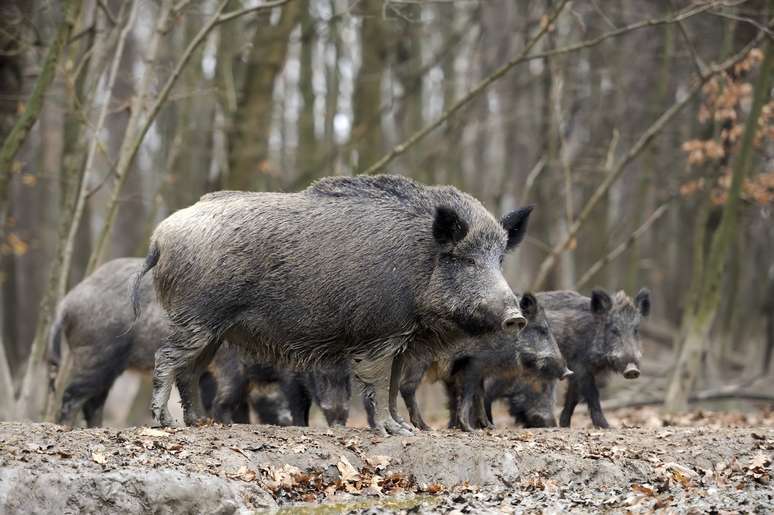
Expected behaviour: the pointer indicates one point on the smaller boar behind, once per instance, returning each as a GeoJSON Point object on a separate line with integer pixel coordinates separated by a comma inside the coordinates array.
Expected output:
{"type": "Point", "coordinates": [329, 387]}
{"type": "Point", "coordinates": [530, 401]}
{"type": "Point", "coordinates": [597, 335]}
{"type": "Point", "coordinates": [530, 360]}
{"type": "Point", "coordinates": [533, 354]}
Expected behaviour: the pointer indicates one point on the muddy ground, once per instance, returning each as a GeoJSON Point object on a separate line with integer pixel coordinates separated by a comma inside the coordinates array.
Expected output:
{"type": "Point", "coordinates": [705, 462]}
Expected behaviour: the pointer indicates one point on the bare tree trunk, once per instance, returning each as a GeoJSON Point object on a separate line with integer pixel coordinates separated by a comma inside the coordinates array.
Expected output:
{"type": "Point", "coordinates": [133, 132]}
{"type": "Point", "coordinates": [367, 101]}
{"type": "Point", "coordinates": [250, 140]}
{"type": "Point", "coordinates": [7, 402]}
{"type": "Point", "coordinates": [29, 115]}
{"type": "Point", "coordinates": [699, 316]}
{"type": "Point", "coordinates": [307, 155]}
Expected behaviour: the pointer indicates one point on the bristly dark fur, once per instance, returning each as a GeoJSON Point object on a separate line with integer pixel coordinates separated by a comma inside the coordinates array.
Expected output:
{"type": "Point", "coordinates": [347, 269]}
{"type": "Point", "coordinates": [597, 335]}
{"type": "Point", "coordinates": [103, 335]}
{"type": "Point", "coordinates": [490, 361]}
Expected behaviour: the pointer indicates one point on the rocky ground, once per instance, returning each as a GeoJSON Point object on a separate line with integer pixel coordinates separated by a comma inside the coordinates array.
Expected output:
{"type": "Point", "coordinates": [701, 461]}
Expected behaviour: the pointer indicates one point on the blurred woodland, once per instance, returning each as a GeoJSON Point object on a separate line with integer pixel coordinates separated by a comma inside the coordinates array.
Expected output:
{"type": "Point", "coordinates": [642, 132]}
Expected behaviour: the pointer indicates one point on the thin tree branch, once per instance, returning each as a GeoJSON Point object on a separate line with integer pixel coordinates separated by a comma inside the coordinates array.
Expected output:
{"type": "Point", "coordinates": [479, 88]}
{"type": "Point", "coordinates": [111, 18]}
{"type": "Point", "coordinates": [697, 62]}
{"type": "Point", "coordinates": [247, 10]}
{"type": "Point", "coordinates": [26, 120]}
{"type": "Point", "coordinates": [743, 19]}
{"type": "Point", "coordinates": [128, 154]}
{"type": "Point", "coordinates": [620, 249]}
{"type": "Point", "coordinates": [524, 57]}
{"type": "Point", "coordinates": [640, 145]}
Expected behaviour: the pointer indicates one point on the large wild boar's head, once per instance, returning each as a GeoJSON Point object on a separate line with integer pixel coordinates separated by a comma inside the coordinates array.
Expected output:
{"type": "Point", "coordinates": [467, 286]}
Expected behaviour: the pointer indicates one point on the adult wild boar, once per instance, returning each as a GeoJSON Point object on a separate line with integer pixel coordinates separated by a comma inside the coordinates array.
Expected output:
{"type": "Point", "coordinates": [96, 320]}
{"type": "Point", "coordinates": [597, 335]}
{"type": "Point", "coordinates": [351, 268]}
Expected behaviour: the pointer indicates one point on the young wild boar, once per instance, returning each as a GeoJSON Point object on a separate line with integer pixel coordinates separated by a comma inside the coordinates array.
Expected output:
{"type": "Point", "coordinates": [530, 401]}
{"type": "Point", "coordinates": [264, 399]}
{"type": "Point", "coordinates": [235, 377]}
{"type": "Point", "coordinates": [351, 268]}
{"type": "Point", "coordinates": [330, 388]}
{"type": "Point", "coordinates": [532, 356]}
{"type": "Point", "coordinates": [531, 359]}
{"type": "Point", "coordinates": [597, 335]}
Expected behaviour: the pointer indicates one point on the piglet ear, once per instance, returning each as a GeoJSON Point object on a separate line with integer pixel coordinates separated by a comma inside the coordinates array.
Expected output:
{"type": "Point", "coordinates": [448, 227]}
{"type": "Point", "coordinates": [600, 301]}
{"type": "Point", "coordinates": [515, 224]}
{"type": "Point", "coordinates": [642, 301]}
{"type": "Point", "coordinates": [529, 306]}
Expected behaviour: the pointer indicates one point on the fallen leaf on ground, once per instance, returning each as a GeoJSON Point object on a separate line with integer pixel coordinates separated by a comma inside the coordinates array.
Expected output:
{"type": "Point", "coordinates": [644, 489]}
{"type": "Point", "coordinates": [153, 433]}
{"type": "Point", "coordinates": [378, 461]}
{"type": "Point", "coordinates": [347, 471]}
{"type": "Point", "coordinates": [98, 457]}
{"type": "Point", "coordinates": [244, 474]}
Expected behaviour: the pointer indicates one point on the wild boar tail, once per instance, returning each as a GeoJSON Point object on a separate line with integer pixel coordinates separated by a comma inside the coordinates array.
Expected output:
{"type": "Point", "coordinates": [150, 261]}
{"type": "Point", "coordinates": [55, 349]}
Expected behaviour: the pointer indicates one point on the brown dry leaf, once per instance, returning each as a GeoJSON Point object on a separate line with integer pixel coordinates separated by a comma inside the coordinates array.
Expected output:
{"type": "Point", "coordinates": [29, 180]}
{"type": "Point", "coordinates": [434, 488]}
{"type": "Point", "coordinates": [378, 461]}
{"type": "Point", "coordinates": [644, 489]}
{"type": "Point", "coordinates": [680, 473]}
{"type": "Point", "coordinates": [298, 449]}
{"type": "Point", "coordinates": [153, 433]}
{"type": "Point", "coordinates": [347, 471]}
{"type": "Point", "coordinates": [244, 474]}
{"type": "Point", "coordinates": [374, 483]}
{"type": "Point", "coordinates": [99, 457]}
{"type": "Point", "coordinates": [283, 476]}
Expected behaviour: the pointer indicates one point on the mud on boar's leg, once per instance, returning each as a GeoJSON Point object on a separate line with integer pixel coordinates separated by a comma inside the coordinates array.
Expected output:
{"type": "Point", "coordinates": [376, 377]}
{"type": "Point", "coordinates": [176, 361]}
{"type": "Point", "coordinates": [187, 381]}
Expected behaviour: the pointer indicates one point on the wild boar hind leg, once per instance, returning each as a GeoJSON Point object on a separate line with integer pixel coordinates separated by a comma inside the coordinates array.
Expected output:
{"type": "Point", "coordinates": [376, 374]}
{"type": "Point", "coordinates": [178, 360]}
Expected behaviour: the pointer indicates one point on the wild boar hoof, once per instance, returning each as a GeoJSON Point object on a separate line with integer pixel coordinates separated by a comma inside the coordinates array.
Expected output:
{"type": "Point", "coordinates": [422, 426]}
{"type": "Point", "coordinates": [391, 427]}
{"type": "Point", "coordinates": [162, 418]}
{"type": "Point", "coordinates": [405, 424]}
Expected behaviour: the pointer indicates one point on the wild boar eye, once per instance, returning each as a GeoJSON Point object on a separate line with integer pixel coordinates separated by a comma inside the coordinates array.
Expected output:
{"type": "Point", "coordinates": [469, 261]}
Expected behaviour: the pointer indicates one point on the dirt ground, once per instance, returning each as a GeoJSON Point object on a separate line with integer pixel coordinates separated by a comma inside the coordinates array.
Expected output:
{"type": "Point", "coordinates": [708, 462]}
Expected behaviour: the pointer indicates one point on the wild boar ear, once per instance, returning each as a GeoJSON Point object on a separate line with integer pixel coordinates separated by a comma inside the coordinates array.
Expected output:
{"type": "Point", "coordinates": [515, 224]}
{"type": "Point", "coordinates": [529, 306]}
{"type": "Point", "coordinates": [642, 301]}
{"type": "Point", "coordinates": [448, 226]}
{"type": "Point", "coordinates": [600, 301]}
